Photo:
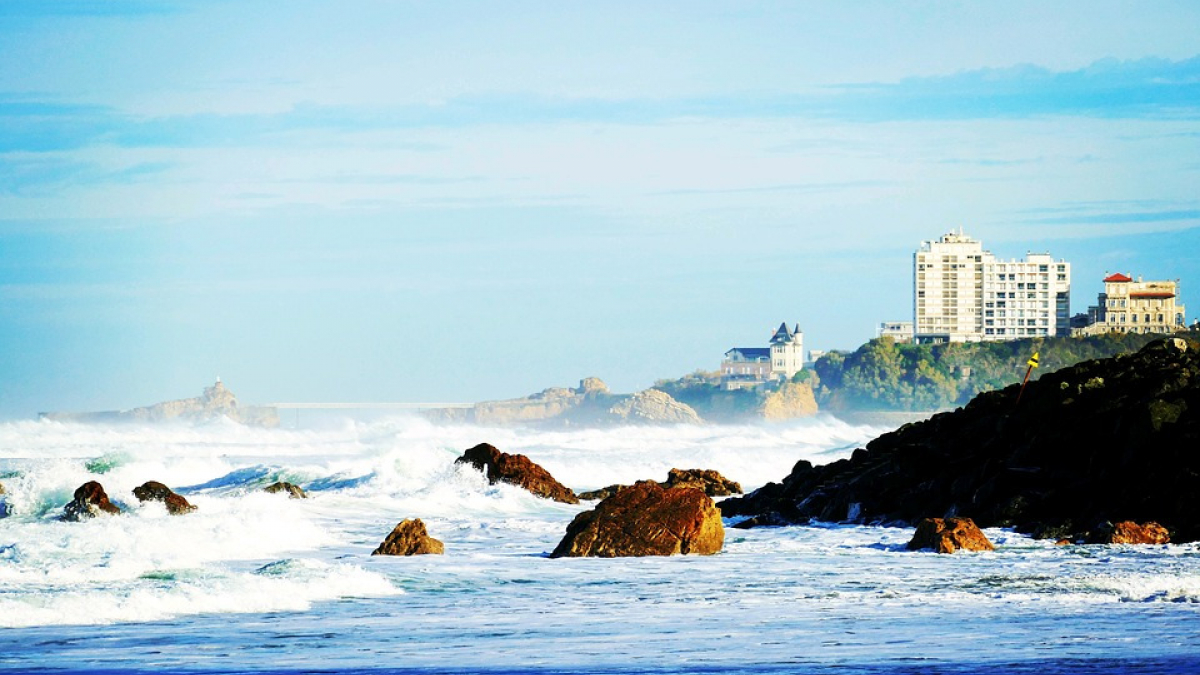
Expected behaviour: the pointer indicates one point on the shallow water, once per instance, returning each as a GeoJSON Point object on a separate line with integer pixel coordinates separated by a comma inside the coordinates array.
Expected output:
{"type": "Point", "coordinates": [256, 582]}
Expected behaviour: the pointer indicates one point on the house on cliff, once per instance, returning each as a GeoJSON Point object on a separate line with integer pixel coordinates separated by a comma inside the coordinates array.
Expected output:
{"type": "Point", "coordinates": [782, 358]}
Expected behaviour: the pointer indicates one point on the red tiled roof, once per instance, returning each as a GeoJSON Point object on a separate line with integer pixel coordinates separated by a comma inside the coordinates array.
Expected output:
{"type": "Point", "coordinates": [1117, 277]}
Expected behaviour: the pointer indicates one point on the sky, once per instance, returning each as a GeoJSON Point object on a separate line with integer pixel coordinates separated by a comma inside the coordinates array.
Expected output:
{"type": "Point", "coordinates": [460, 201]}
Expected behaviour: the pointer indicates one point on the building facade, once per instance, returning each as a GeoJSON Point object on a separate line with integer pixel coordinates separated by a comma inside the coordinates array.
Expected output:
{"type": "Point", "coordinates": [962, 293]}
{"type": "Point", "coordinates": [787, 351]}
{"type": "Point", "coordinates": [900, 331]}
{"type": "Point", "coordinates": [1128, 306]}
{"type": "Point", "coordinates": [783, 357]}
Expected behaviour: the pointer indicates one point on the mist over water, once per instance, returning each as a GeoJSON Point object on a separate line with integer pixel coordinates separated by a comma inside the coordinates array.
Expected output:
{"type": "Point", "coordinates": [256, 581]}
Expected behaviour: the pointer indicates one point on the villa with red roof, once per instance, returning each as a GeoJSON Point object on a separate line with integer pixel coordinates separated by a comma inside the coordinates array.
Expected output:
{"type": "Point", "coordinates": [1128, 306]}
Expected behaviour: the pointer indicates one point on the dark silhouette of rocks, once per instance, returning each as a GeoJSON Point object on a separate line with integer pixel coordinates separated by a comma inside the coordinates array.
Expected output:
{"type": "Point", "coordinates": [711, 482]}
{"type": "Point", "coordinates": [1105, 440]}
{"type": "Point", "coordinates": [949, 535]}
{"type": "Point", "coordinates": [293, 491]}
{"type": "Point", "coordinates": [646, 519]}
{"type": "Point", "coordinates": [409, 538]}
{"type": "Point", "coordinates": [517, 470]}
{"type": "Point", "coordinates": [153, 491]}
{"type": "Point", "coordinates": [90, 501]}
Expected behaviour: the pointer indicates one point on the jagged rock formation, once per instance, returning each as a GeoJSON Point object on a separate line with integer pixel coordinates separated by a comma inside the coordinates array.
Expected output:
{"type": "Point", "coordinates": [517, 470]}
{"type": "Point", "coordinates": [153, 491]}
{"type": "Point", "coordinates": [653, 406]}
{"type": "Point", "coordinates": [90, 500]}
{"type": "Point", "coordinates": [646, 519]}
{"type": "Point", "coordinates": [591, 403]}
{"type": "Point", "coordinates": [293, 491]}
{"type": "Point", "coordinates": [949, 535]}
{"type": "Point", "coordinates": [712, 483]}
{"type": "Point", "coordinates": [214, 403]}
{"type": "Point", "coordinates": [409, 538]}
{"type": "Point", "coordinates": [1128, 532]}
{"type": "Point", "coordinates": [792, 400]}
{"type": "Point", "coordinates": [1104, 440]}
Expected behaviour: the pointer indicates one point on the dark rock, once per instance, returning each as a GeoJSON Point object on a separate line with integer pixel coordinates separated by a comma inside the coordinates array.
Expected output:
{"type": "Point", "coordinates": [712, 483]}
{"type": "Point", "coordinates": [90, 501]}
{"type": "Point", "coordinates": [409, 538]}
{"type": "Point", "coordinates": [646, 519]}
{"type": "Point", "coordinates": [293, 491]}
{"type": "Point", "coordinates": [949, 535]}
{"type": "Point", "coordinates": [153, 491]}
{"type": "Point", "coordinates": [1128, 532]}
{"type": "Point", "coordinates": [517, 470]}
{"type": "Point", "coordinates": [1104, 440]}
{"type": "Point", "coordinates": [602, 493]}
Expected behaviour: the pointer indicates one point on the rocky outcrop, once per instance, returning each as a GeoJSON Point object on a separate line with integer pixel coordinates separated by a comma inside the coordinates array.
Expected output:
{"type": "Point", "coordinates": [653, 406]}
{"type": "Point", "coordinates": [216, 402]}
{"type": "Point", "coordinates": [293, 491]}
{"type": "Point", "coordinates": [710, 482]}
{"type": "Point", "coordinates": [949, 535]}
{"type": "Point", "coordinates": [517, 470]}
{"type": "Point", "coordinates": [1104, 440]}
{"type": "Point", "coordinates": [153, 491]}
{"type": "Point", "coordinates": [1128, 532]}
{"type": "Point", "coordinates": [791, 400]}
{"type": "Point", "coordinates": [90, 501]}
{"type": "Point", "coordinates": [590, 404]}
{"type": "Point", "coordinates": [409, 538]}
{"type": "Point", "coordinates": [4, 508]}
{"type": "Point", "coordinates": [645, 519]}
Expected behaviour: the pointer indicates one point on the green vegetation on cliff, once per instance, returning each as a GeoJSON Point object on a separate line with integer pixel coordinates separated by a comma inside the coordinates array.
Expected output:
{"type": "Point", "coordinates": [884, 375]}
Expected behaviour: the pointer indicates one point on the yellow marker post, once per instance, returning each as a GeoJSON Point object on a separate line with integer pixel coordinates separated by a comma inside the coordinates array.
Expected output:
{"type": "Point", "coordinates": [1033, 363]}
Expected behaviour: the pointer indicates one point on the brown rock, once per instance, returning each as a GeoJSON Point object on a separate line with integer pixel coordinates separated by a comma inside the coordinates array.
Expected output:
{"type": "Point", "coordinates": [293, 491]}
{"type": "Point", "coordinates": [602, 493]}
{"type": "Point", "coordinates": [1129, 532]}
{"type": "Point", "coordinates": [712, 483]}
{"type": "Point", "coordinates": [646, 519]}
{"type": "Point", "coordinates": [2, 488]}
{"type": "Point", "coordinates": [153, 491]}
{"type": "Point", "coordinates": [518, 470]}
{"type": "Point", "coordinates": [90, 501]}
{"type": "Point", "coordinates": [409, 538]}
{"type": "Point", "coordinates": [949, 535]}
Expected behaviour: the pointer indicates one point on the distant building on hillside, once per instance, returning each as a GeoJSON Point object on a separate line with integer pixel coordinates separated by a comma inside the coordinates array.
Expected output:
{"type": "Point", "coordinates": [1128, 306]}
{"type": "Point", "coordinates": [751, 366]}
{"type": "Point", "coordinates": [962, 293]}
{"type": "Point", "coordinates": [900, 331]}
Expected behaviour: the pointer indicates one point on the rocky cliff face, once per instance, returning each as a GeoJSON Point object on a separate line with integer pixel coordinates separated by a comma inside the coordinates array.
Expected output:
{"type": "Point", "coordinates": [1105, 440]}
{"type": "Point", "coordinates": [792, 400]}
{"type": "Point", "coordinates": [215, 402]}
{"type": "Point", "coordinates": [589, 404]}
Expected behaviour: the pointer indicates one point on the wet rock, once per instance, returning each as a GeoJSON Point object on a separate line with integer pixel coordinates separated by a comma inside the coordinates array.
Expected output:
{"type": "Point", "coordinates": [153, 491]}
{"type": "Point", "coordinates": [1103, 440]}
{"type": "Point", "coordinates": [602, 493]}
{"type": "Point", "coordinates": [517, 470]}
{"type": "Point", "coordinates": [409, 538]}
{"type": "Point", "coordinates": [646, 519]}
{"type": "Point", "coordinates": [293, 491]}
{"type": "Point", "coordinates": [1129, 532]}
{"type": "Point", "coordinates": [711, 482]}
{"type": "Point", "coordinates": [949, 535]}
{"type": "Point", "coordinates": [90, 501]}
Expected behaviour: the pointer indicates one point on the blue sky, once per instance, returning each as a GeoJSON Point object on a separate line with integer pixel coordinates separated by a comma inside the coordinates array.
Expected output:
{"type": "Point", "coordinates": [459, 201]}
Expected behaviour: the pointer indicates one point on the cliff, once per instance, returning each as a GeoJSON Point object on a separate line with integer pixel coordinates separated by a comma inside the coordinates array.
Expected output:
{"type": "Point", "coordinates": [589, 404]}
{"type": "Point", "coordinates": [215, 402]}
{"type": "Point", "coordinates": [1102, 441]}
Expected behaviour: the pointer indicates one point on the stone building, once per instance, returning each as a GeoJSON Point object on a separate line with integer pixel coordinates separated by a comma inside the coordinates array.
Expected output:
{"type": "Point", "coordinates": [751, 366]}
{"type": "Point", "coordinates": [1128, 306]}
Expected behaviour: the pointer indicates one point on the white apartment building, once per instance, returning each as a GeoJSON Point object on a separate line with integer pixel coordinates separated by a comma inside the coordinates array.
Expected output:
{"type": "Point", "coordinates": [962, 293]}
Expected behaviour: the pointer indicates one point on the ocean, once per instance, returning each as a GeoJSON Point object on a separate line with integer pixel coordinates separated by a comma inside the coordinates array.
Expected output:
{"type": "Point", "coordinates": [255, 582]}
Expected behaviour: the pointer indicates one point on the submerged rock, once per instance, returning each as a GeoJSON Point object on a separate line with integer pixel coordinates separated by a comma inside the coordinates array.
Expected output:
{"type": "Point", "coordinates": [644, 520]}
{"type": "Point", "coordinates": [517, 470]}
{"type": "Point", "coordinates": [949, 535]}
{"type": "Point", "coordinates": [90, 501]}
{"type": "Point", "coordinates": [409, 538]}
{"type": "Point", "coordinates": [1104, 440]}
{"type": "Point", "coordinates": [153, 491]}
{"type": "Point", "coordinates": [293, 491]}
{"type": "Point", "coordinates": [1128, 532]}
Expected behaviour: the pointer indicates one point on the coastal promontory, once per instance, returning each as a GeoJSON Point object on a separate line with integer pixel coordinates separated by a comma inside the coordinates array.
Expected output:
{"type": "Point", "coordinates": [1103, 441]}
